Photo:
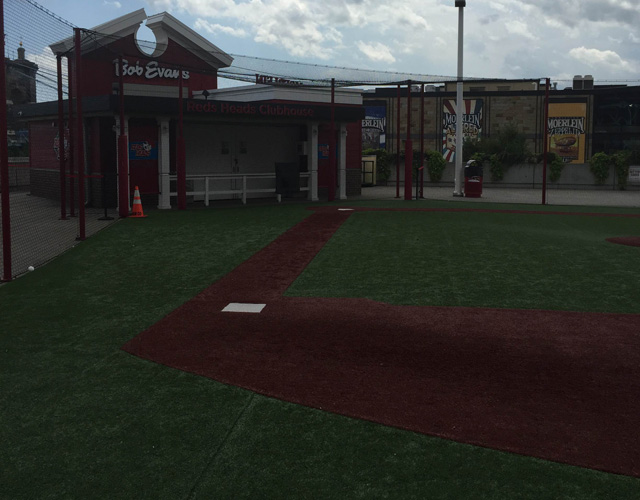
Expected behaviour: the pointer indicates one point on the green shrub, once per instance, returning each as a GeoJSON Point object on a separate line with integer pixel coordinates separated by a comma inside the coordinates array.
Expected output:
{"type": "Point", "coordinates": [555, 166]}
{"type": "Point", "coordinates": [496, 167]}
{"type": "Point", "coordinates": [506, 148]}
{"type": "Point", "coordinates": [599, 165]}
{"type": "Point", "coordinates": [621, 161]}
{"type": "Point", "coordinates": [436, 164]}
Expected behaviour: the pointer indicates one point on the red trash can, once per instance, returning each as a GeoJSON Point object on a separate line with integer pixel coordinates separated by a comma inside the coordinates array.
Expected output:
{"type": "Point", "coordinates": [473, 179]}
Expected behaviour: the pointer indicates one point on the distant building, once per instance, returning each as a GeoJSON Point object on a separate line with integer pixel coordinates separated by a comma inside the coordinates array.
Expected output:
{"type": "Point", "coordinates": [21, 79]}
{"type": "Point", "coordinates": [21, 89]}
{"type": "Point", "coordinates": [583, 119]}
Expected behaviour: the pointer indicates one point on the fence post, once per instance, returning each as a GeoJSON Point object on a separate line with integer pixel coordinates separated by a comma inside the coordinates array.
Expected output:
{"type": "Point", "coordinates": [61, 143]}
{"type": "Point", "coordinates": [398, 144]}
{"type": "Point", "coordinates": [123, 150]}
{"type": "Point", "coordinates": [545, 142]}
{"type": "Point", "coordinates": [72, 143]}
{"type": "Point", "coordinates": [422, 141]}
{"type": "Point", "coordinates": [80, 138]}
{"type": "Point", "coordinates": [408, 150]}
{"type": "Point", "coordinates": [181, 168]}
{"type": "Point", "coordinates": [4, 164]}
{"type": "Point", "coordinates": [332, 145]}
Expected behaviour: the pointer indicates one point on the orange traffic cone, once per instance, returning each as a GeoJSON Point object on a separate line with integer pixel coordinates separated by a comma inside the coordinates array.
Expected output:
{"type": "Point", "coordinates": [136, 211]}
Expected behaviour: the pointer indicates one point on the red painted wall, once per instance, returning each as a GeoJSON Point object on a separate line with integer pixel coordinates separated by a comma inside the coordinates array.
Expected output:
{"type": "Point", "coordinates": [144, 172]}
{"type": "Point", "coordinates": [41, 138]}
{"type": "Point", "coordinates": [353, 150]}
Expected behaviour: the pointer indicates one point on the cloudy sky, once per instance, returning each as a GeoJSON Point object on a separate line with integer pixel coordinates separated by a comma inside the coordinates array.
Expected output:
{"type": "Point", "coordinates": [503, 38]}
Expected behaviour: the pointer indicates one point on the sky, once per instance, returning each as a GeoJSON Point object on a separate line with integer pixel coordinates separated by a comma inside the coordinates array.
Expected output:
{"type": "Point", "coordinates": [502, 38]}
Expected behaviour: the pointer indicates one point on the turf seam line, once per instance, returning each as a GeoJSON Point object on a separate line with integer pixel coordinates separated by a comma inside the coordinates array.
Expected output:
{"type": "Point", "coordinates": [214, 455]}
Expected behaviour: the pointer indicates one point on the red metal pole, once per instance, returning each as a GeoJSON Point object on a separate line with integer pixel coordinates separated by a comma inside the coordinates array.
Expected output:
{"type": "Point", "coordinates": [408, 151]}
{"type": "Point", "coordinates": [181, 170]}
{"type": "Point", "coordinates": [80, 139]}
{"type": "Point", "coordinates": [398, 145]}
{"type": "Point", "coordinates": [422, 141]}
{"type": "Point", "coordinates": [545, 142]}
{"type": "Point", "coordinates": [332, 144]}
{"type": "Point", "coordinates": [4, 165]}
{"type": "Point", "coordinates": [123, 151]}
{"type": "Point", "coordinates": [72, 140]}
{"type": "Point", "coordinates": [61, 143]}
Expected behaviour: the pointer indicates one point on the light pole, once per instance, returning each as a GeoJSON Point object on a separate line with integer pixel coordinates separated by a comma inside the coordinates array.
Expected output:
{"type": "Point", "coordinates": [457, 191]}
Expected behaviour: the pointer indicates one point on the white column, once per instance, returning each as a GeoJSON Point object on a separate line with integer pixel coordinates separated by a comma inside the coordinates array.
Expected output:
{"type": "Point", "coordinates": [312, 160]}
{"type": "Point", "coordinates": [342, 169]}
{"type": "Point", "coordinates": [164, 200]}
{"type": "Point", "coordinates": [126, 133]}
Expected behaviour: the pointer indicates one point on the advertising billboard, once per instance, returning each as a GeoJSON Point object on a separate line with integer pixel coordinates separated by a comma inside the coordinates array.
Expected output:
{"type": "Point", "coordinates": [567, 131]}
{"type": "Point", "coordinates": [374, 127]}
{"type": "Point", "coordinates": [471, 121]}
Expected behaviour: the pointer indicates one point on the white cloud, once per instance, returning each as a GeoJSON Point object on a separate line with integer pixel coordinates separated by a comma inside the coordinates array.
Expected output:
{"type": "Point", "coordinates": [519, 28]}
{"type": "Point", "coordinates": [215, 28]}
{"type": "Point", "coordinates": [503, 38]}
{"type": "Point", "coordinates": [116, 4]}
{"type": "Point", "coordinates": [376, 51]}
{"type": "Point", "coordinates": [596, 57]}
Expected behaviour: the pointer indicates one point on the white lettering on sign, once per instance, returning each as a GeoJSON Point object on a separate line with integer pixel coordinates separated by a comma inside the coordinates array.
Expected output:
{"type": "Point", "coordinates": [150, 70]}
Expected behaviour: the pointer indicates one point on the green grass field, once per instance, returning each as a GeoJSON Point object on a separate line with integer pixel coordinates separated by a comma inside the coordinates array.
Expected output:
{"type": "Point", "coordinates": [82, 419]}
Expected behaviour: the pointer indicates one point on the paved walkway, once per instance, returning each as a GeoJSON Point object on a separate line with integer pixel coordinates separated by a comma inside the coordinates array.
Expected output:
{"type": "Point", "coordinates": [556, 197]}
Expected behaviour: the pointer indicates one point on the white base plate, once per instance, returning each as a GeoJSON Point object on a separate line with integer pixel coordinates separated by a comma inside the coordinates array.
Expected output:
{"type": "Point", "coordinates": [244, 308]}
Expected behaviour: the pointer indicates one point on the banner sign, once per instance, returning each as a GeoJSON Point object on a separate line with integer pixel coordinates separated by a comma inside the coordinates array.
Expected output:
{"type": "Point", "coordinates": [272, 110]}
{"type": "Point", "coordinates": [374, 127]}
{"type": "Point", "coordinates": [567, 131]}
{"type": "Point", "coordinates": [323, 151]}
{"type": "Point", "coordinates": [634, 174]}
{"type": "Point", "coordinates": [471, 122]}
{"type": "Point", "coordinates": [143, 150]}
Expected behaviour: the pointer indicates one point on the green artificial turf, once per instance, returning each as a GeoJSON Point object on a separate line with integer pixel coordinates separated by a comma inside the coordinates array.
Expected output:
{"type": "Point", "coordinates": [79, 418]}
{"type": "Point", "coordinates": [478, 259]}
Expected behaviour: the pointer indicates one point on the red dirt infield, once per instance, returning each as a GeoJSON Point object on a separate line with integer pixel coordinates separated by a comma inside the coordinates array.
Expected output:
{"type": "Point", "coordinates": [632, 241]}
{"type": "Point", "coordinates": [556, 385]}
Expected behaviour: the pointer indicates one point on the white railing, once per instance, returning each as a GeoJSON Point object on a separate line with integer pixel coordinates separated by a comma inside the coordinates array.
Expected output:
{"type": "Point", "coordinates": [208, 185]}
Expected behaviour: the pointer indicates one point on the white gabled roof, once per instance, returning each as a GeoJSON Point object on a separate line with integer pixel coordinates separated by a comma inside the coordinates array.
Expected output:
{"type": "Point", "coordinates": [164, 24]}
{"type": "Point", "coordinates": [164, 27]}
{"type": "Point", "coordinates": [119, 27]}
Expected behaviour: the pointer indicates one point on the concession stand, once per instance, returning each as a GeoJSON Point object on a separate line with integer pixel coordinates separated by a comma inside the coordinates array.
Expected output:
{"type": "Point", "coordinates": [154, 118]}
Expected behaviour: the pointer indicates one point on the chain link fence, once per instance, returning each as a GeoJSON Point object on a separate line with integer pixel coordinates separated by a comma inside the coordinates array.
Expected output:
{"type": "Point", "coordinates": [55, 199]}
{"type": "Point", "coordinates": [43, 222]}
